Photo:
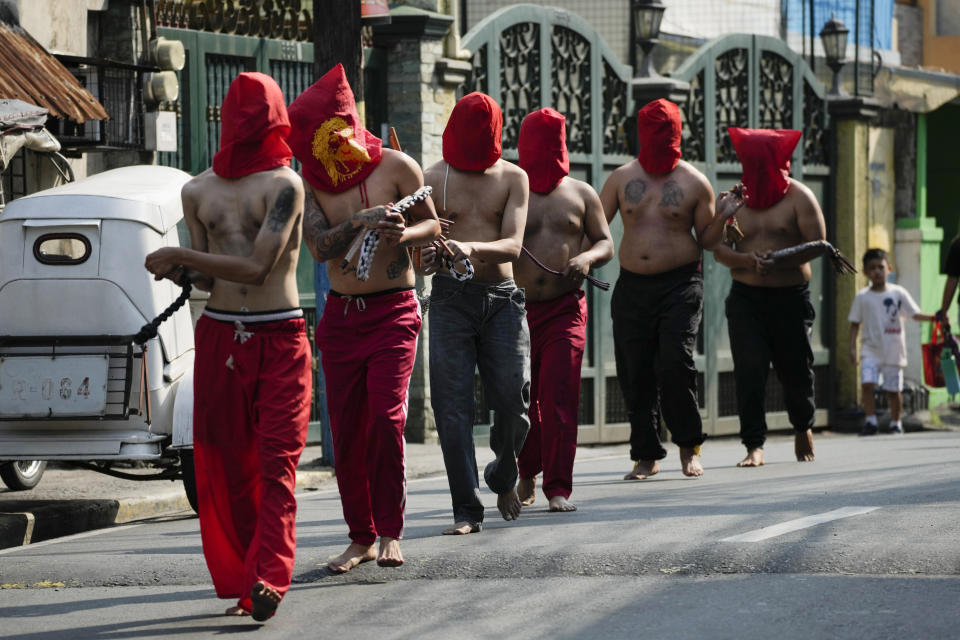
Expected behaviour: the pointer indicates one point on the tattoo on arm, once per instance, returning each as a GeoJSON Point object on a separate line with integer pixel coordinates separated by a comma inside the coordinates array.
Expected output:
{"type": "Point", "coordinates": [325, 243]}
{"type": "Point", "coordinates": [672, 194]}
{"type": "Point", "coordinates": [282, 210]}
{"type": "Point", "coordinates": [635, 190]}
{"type": "Point", "coordinates": [396, 268]}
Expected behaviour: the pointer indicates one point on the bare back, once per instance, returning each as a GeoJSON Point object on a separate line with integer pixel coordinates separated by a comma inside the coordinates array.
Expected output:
{"type": "Point", "coordinates": [485, 207]}
{"type": "Point", "coordinates": [796, 219]}
{"type": "Point", "coordinates": [661, 214]}
{"type": "Point", "coordinates": [395, 177]}
{"type": "Point", "coordinates": [226, 216]}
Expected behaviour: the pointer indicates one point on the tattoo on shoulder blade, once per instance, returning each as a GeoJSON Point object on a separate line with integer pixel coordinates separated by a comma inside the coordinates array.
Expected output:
{"type": "Point", "coordinates": [672, 194]}
{"type": "Point", "coordinates": [282, 210]}
{"type": "Point", "coordinates": [396, 268]}
{"type": "Point", "coordinates": [635, 190]}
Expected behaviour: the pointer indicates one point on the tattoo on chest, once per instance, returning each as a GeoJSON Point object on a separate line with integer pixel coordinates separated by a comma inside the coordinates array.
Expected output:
{"type": "Point", "coordinates": [282, 210]}
{"type": "Point", "coordinates": [672, 194]}
{"type": "Point", "coordinates": [396, 268]}
{"type": "Point", "coordinates": [635, 190]}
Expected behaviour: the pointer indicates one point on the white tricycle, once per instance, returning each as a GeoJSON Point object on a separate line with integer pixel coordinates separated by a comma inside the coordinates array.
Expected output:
{"type": "Point", "coordinates": [96, 357]}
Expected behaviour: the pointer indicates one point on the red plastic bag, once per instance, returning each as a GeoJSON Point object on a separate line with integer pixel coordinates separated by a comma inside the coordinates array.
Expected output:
{"type": "Point", "coordinates": [932, 374]}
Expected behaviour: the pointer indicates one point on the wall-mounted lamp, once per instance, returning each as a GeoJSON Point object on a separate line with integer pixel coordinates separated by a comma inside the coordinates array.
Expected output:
{"type": "Point", "coordinates": [647, 15]}
{"type": "Point", "coordinates": [834, 39]}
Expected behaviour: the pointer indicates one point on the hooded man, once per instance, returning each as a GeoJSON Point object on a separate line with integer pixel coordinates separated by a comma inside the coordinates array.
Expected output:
{"type": "Point", "coordinates": [564, 216]}
{"type": "Point", "coordinates": [658, 299]}
{"type": "Point", "coordinates": [769, 314]}
{"type": "Point", "coordinates": [252, 377]}
{"type": "Point", "coordinates": [368, 332]}
{"type": "Point", "coordinates": [480, 323]}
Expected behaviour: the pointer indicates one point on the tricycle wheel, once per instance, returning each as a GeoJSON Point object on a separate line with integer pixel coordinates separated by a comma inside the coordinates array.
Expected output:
{"type": "Point", "coordinates": [22, 474]}
{"type": "Point", "coordinates": [189, 478]}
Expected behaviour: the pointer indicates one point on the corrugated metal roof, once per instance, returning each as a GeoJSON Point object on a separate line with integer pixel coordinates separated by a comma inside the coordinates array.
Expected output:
{"type": "Point", "coordinates": [29, 72]}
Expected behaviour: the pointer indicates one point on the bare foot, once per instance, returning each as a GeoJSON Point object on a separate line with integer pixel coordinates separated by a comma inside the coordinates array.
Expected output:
{"type": "Point", "coordinates": [509, 505]}
{"type": "Point", "coordinates": [462, 528]}
{"type": "Point", "coordinates": [354, 555]}
{"type": "Point", "coordinates": [559, 503]}
{"type": "Point", "coordinates": [265, 600]}
{"type": "Point", "coordinates": [690, 461]}
{"type": "Point", "coordinates": [527, 490]}
{"type": "Point", "coordinates": [754, 458]}
{"type": "Point", "coordinates": [390, 555]}
{"type": "Point", "coordinates": [643, 469]}
{"type": "Point", "coordinates": [803, 446]}
{"type": "Point", "coordinates": [236, 611]}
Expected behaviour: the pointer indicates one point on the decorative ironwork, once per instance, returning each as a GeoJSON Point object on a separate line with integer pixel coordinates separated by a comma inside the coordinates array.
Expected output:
{"type": "Point", "coordinates": [615, 114]}
{"type": "Point", "coordinates": [478, 76]}
{"type": "Point", "coordinates": [732, 95]}
{"type": "Point", "coordinates": [814, 127]}
{"type": "Point", "coordinates": [694, 139]}
{"type": "Point", "coordinates": [776, 92]}
{"type": "Point", "coordinates": [519, 77]}
{"type": "Point", "coordinates": [570, 85]}
{"type": "Point", "coordinates": [280, 19]}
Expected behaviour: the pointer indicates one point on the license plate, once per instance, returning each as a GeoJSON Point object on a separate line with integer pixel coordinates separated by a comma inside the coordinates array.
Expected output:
{"type": "Point", "coordinates": [43, 386]}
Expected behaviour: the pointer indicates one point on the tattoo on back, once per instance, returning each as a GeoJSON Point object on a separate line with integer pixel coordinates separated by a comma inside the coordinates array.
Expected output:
{"type": "Point", "coordinates": [282, 210]}
{"type": "Point", "coordinates": [672, 194]}
{"type": "Point", "coordinates": [635, 190]}
{"type": "Point", "coordinates": [396, 268]}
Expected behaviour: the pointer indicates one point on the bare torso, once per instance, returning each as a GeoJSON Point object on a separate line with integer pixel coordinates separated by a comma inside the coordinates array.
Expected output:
{"type": "Point", "coordinates": [391, 267]}
{"type": "Point", "coordinates": [770, 229]}
{"type": "Point", "coordinates": [554, 233]}
{"type": "Point", "coordinates": [658, 216]}
{"type": "Point", "coordinates": [475, 203]}
{"type": "Point", "coordinates": [231, 213]}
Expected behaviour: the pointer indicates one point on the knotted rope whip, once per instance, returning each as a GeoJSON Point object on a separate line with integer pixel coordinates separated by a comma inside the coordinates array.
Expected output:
{"type": "Point", "coordinates": [149, 330]}
{"type": "Point", "coordinates": [368, 242]}
{"type": "Point", "coordinates": [599, 284]}
{"type": "Point", "coordinates": [815, 249]}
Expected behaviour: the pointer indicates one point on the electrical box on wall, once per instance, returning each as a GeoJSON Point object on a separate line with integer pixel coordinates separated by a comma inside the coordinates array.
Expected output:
{"type": "Point", "coordinates": [160, 131]}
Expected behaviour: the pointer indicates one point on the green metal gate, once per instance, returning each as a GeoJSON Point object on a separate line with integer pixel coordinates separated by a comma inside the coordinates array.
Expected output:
{"type": "Point", "coordinates": [528, 57]}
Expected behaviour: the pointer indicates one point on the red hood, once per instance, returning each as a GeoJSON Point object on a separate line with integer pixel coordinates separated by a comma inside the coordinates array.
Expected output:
{"type": "Point", "coordinates": [328, 137]}
{"type": "Point", "coordinates": [765, 157]}
{"type": "Point", "coordinates": [543, 149]}
{"type": "Point", "coordinates": [471, 140]}
{"type": "Point", "coordinates": [659, 131]}
{"type": "Point", "coordinates": [253, 127]}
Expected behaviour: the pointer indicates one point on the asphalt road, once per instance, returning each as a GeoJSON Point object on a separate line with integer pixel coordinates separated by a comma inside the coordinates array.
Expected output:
{"type": "Point", "coordinates": [862, 543]}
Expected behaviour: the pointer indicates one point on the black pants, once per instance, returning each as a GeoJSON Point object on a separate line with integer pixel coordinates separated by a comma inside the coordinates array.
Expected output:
{"type": "Point", "coordinates": [771, 325]}
{"type": "Point", "coordinates": [655, 323]}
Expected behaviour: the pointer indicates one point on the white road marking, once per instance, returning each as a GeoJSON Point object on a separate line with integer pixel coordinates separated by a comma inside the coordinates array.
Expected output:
{"type": "Point", "coordinates": [76, 536]}
{"type": "Point", "coordinates": [800, 523]}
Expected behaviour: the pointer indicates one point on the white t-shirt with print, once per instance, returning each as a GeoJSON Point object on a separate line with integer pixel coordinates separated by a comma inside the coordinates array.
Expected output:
{"type": "Point", "coordinates": [881, 317]}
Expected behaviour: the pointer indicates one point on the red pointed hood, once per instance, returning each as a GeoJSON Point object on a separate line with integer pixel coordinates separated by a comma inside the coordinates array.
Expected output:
{"type": "Point", "coordinates": [543, 149]}
{"type": "Point", "coordinates": [659, 131]}
{"type": "Point", "coordinates": [253, 127]}
{"type": "Point", "coordinates": [765, 157]}
{"type": "Point", "coordinates": [328, 137]}
{"type": "Point", "coordinates": [471, 140]}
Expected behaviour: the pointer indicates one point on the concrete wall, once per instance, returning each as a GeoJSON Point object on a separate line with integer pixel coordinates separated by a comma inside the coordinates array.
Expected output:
{"type": "Point", "coordinates": [909, 34]}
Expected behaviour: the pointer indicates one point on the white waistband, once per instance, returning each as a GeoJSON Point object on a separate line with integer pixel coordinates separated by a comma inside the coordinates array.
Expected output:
{"type": "Point", "coordinates": [248, 318]}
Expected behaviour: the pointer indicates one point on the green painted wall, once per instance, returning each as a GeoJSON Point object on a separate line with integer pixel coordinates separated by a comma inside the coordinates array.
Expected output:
{"type": "Point", "coordinates": [943, 171]}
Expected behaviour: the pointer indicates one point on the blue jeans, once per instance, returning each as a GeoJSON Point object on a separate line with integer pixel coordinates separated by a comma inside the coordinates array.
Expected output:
{"type": "Point", "coordinates": [479, 326]}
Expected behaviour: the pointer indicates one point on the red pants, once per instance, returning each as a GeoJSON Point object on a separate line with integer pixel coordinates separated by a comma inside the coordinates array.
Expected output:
{"type": "Point", "coordinates": [557, 339]}
{"type": "Point", "coordinates": [251, 409]}
{"type": "Point", "coordinates": [368, 345]}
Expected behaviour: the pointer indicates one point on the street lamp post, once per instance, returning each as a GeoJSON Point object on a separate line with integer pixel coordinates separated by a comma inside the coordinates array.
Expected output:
{"type": "Point", "coordinates": [647, 15]}
{"type": "Point", "coordinates": [834, 39]}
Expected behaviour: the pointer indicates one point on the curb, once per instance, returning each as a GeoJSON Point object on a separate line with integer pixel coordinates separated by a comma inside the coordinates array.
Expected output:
{"type": "Point", "coordinates": [26, 521]}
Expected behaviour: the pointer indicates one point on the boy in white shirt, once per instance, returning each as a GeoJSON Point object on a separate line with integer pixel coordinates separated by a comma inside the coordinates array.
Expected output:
{"type": "Point", "coordinates": [881, 309]}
